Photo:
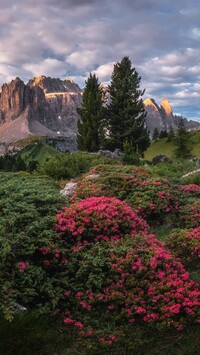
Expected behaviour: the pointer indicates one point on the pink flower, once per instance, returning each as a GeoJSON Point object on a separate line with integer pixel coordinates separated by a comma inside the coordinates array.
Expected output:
{"type": "Point", "coordinates": [111, 307]}
{"type": "Point", "coordinates": [79, 325]}
{"type": "Point", "coordinates": [68, 320]}
{"type": "Point", "coordinates": [22, 266]}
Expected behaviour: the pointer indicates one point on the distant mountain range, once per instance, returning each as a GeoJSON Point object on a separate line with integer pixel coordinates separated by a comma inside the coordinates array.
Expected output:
{"type": "Point", "coordinates": [162, 117]}
{"type": "Point", "coordinates": [48, 107]}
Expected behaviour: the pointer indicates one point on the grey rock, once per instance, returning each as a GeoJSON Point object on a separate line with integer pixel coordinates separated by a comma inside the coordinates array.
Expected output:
{"type": "Point", "coordinates": [69, 189]}
{"type": "Point", "coordinates": [191, 173]}
{"type": "Point", "coordinates": [161, 158]}
{"type": "Point", "coordinates": [107, 153]}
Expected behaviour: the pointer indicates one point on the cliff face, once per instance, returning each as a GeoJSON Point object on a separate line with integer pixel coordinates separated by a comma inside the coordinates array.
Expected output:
{"type": "Point", "coordinates": [162, 117]}
{"type": "Point", "coordinates": [44, 106]}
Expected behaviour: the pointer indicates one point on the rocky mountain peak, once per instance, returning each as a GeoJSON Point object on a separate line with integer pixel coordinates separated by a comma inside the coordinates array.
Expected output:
{"type": "Point", "coordinates": [150, 102]}
{"type": "Point", "coordinates": [165, 105]}
{"type": "Point", "coordinates": [54, 85]}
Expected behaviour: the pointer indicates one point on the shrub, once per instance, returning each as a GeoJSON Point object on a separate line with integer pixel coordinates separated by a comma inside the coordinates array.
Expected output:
{"type": "Point", "coordinates": [27, 212]}
{"type": "Point", "coordinates": [190, 213]}
{"type": "Point", "coordinates": [154, 199]}
{"type": "Point", "coordinates": [118, 286]}
{"type": "Point", "coordinates": [192, 189]}
{"type": "Point", "coordinates": [69, 165]}
{"type": "Point", "coordinates": [185, 244]}
{"type": "Point", "coordinates": [98, 218]}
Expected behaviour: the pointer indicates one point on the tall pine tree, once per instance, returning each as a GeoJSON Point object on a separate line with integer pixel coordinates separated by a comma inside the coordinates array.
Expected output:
{"type": "Point", "coordinates": [182, 142]}
{"type": "Point", "coordinates": [126, 112]}
{"type": "Point", "coordinates": [90, 129]}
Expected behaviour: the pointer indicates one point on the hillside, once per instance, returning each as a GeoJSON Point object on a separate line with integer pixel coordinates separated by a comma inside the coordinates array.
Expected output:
{"type": "Point", "coordinates": [162, 146]}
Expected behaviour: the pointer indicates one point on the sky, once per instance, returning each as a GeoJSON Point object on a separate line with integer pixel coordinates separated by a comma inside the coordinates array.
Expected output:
{"type": "Point", "coordinates": [71, 38]}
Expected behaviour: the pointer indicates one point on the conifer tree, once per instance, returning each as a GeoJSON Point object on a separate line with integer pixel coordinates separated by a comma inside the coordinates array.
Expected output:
{"type": "Point", "coordinates": [90, 129]}
{"type": "Point", "coordinates": [182, 142]}
{"type": "Point", "coordinates": [126, 112]}
{"type": "Point", "coordinates": [155, 134]}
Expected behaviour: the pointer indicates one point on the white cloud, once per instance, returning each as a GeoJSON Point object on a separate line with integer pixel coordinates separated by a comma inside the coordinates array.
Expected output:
{"type": "Point", "coordinates": [83, 59]}
{"type": "Point", "coordinates": [48, 67]}
{"type": "Point", "coordinates": [104, 72]}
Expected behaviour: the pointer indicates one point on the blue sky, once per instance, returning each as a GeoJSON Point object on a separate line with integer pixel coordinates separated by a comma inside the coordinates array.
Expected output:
{"type": "Point", "coordinates": [71, 38]}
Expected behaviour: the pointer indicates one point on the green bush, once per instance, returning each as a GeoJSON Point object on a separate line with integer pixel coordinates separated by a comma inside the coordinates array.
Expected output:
{"type": "Point", "coordinates": [69, 165]}
{"type": "Point", "coordinates": [27, 209]}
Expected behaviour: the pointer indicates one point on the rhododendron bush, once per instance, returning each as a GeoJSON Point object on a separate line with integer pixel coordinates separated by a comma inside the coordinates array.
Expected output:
{"type": "Point", "coordinates": [190, 213]}
{"type": "Point", "coordinates": [118, 277]}
{"type": "Point", "coordinates": [185, 244]}
{"type": "Point", "coordinates": [98, 218]}
{"type": "Point", "coordinates": [155, 200]}
{"type": "Point", "coordinates": [132, 281]}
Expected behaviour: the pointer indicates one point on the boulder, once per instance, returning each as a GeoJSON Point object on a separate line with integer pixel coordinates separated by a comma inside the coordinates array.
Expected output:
{"type": "Point", "coordinates": [69, 189]}
{"type": "Point", "coordinates": [107, 153]}
{"type": "Point", "coordinates": [161, 158]}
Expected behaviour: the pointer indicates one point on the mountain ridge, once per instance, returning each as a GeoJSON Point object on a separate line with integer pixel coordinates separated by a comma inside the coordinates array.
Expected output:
{"type": "Point", "coordinates": [48, 107]}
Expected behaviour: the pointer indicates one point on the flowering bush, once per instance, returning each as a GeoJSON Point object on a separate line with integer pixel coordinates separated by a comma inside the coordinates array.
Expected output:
{"type": "Point", "coordinates": [190, 213]}
{"type": "Point", "coordinates": [185, 244]}
{"type": "Point", "coordinates": [131, 281]}
{"type": "Point", "coordinates": [190, 189]}
{"type": "Point", "coordinates": [98, 218]}
{"type": "Point", "coordinates": [153, 199]}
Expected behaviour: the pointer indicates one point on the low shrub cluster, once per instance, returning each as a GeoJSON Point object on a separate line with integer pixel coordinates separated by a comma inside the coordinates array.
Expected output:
{"type": "Point", "coordinates": [185, 244]}
{"type": "Point", "coordinates": [27, 216]}
{"type": "Point", "coordinates": [155, 200]}
{"type": "Point", "coordinates": [69, 165]}
{"type": "Point", "coordinates": [190, 213]}
{"type": "Point", "coordinates": [98, 218]}
{"type": "Point", "coordinates": [94, 263]}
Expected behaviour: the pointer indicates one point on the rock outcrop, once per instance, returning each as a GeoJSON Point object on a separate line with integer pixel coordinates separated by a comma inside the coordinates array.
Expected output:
{"type": "Point", "coordinates": [162, 117]}
{"type": "Point", "coordinates": [44, 106]}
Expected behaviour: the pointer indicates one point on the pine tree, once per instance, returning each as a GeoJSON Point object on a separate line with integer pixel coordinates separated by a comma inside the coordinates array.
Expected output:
{"type": "Point", "coordinates": [182, 142]}
{"type": "Point", "coordinates": [90, 129]}
{"type": "Point", "coordinates": [126, 112]}
{"type": "Point", "coordinates": [155, 134]}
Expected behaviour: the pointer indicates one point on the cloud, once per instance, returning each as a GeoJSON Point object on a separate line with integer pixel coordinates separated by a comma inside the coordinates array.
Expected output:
{"type": "Point", "coordinates": [75, 37]}
{"type": "Point", "coordinates": [47, 67]}
{"type": "Point", "coordinates": [104, 72]}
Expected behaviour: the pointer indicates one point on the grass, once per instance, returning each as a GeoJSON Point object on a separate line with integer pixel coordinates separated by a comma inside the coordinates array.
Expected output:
{"type": "Point", "coordinates": [38, 151]}
{"type": "Point", "coordinates": [162, 146]}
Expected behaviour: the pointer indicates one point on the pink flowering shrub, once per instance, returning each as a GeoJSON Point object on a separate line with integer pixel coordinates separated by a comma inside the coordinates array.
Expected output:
{"type": "Point", "coordinates": [133, 281]}
{"type": "Point", "coordinates": [154, 199]}
{"type": "Point", "coordinates": [190, 189]}
{"type": "Point", "coordinates": [98, 218]}
{"type": "Point", "coordinates": [185, 244]}
{"type": "Point", "coordinates": [190, 213]}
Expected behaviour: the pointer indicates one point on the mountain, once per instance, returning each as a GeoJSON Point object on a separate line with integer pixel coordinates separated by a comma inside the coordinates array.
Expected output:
{"type": "Point", "coordinates": [162, 117]}
{"type": "Point", "coordinates": [48, 107]}
{"type": "Point", "coordinates": [44, 106]}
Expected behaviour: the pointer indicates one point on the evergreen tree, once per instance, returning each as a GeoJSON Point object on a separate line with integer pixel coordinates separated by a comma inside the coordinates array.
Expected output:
{"type": "Point", "coordinates": [90, 129]}
{"type": "Point", "coordinates": [182, 142]}
{"type": "Point", "coordinates": [155, 134]}
{"type": "Point", "coordinates": [163, 134]}
{"type": "Point", "coordinates": [171, 134]}
{"type": "Point", "coordinates": [126, 112]}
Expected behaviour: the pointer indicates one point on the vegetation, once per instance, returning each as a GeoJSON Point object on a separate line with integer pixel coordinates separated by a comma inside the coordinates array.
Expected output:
{"type": "Point", "coordinates": [182, 142]}
{"type": "Point", "coordinates": [167, 147]}
{"type": "Point", "coordinates": [90, 130]}
{"type": "Point", "coordinates": [106, 271]}
{"type": "Point", "coordinates": [126, 112]}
